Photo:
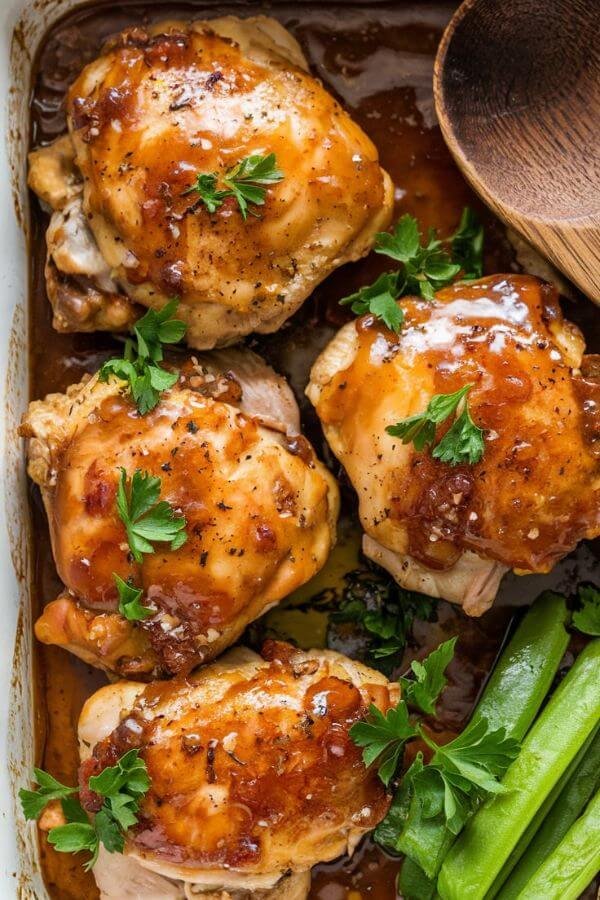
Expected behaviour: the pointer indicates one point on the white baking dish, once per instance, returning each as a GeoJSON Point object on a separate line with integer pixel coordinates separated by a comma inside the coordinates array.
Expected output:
{"type": "Point", "coordinates": [23, 24]}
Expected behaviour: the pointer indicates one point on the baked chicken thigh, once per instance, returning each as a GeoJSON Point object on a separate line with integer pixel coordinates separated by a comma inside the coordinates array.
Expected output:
{"type": "Point", "coordinates": [254, 778]}
{"type": "Point", "coordinates": [164, 105]}
{"type": "Point", "coordinates": [260, 511]}
{"type": "Point", "coordinates": [452, 530]}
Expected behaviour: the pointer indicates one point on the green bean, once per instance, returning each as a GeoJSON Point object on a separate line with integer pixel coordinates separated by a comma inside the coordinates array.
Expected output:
{"type": "Point", "coordinates": [477, 857]}
{"type": "Point", "coordinates": [525, 671]}
{"type": "Point", "coordinates": [573, 864]}
{"type": "Point", "coordinates": [568, 805]}
{"type": "Point", "coordinates": [510, 700]}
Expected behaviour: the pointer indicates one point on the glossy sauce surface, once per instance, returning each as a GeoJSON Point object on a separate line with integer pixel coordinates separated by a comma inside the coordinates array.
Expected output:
{"type": "Point", "coordinates": [257, 525]}
{"type": "Point", "coordinates": [170, 106]}
{"type": "Point", "coordinates": [531, 498]}
{"type": "Point", "coordinates": [378, 61]}
{"type": "Point", "coordinates": [260, 744]}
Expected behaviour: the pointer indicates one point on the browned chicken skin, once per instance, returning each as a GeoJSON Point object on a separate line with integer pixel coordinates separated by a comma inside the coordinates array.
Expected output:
{"type": "Point", "coordinates": [260, 510]}
{"type": "Point", "coordinates": [179, 99]}
{"type": "Point", "coordinates": [253, 772]}
{"type": "Point", "coordinates": [453, 531]}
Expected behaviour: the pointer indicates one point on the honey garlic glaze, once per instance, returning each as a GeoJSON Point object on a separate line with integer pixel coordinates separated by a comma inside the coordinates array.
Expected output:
{"type": "Point", "coordinates": [260, 521]}
{"type": "Point", "coordinates": [377, 59]}
{"type": "Point", "coordinates": [250, 760]}
{"type": "Point", "coordinates": [536, 491]}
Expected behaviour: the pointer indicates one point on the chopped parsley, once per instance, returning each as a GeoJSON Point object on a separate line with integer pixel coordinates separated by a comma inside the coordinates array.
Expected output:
{"type": "Point", "coordinates": [246, 182]}
{"type": "Point", "coordinates": [146, 519]}
{"type": "Point", "coordinates": [139, 365]}
{"type": "Point", "coordinates": [462, 443]}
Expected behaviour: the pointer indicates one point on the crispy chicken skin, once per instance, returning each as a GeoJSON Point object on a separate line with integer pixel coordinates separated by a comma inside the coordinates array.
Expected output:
{"type": "Point", "coordinates": [260, 508]}
{"type": "Point", "coordinates": [160, 106]}
{"type": "Point", "coordinates": [254, 776]}
{"type": "Point", "coordinates": [453, 531]}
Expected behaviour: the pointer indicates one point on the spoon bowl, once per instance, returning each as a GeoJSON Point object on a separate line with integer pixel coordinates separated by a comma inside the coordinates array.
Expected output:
{"type": "Point", "coordinates": [517, 93]}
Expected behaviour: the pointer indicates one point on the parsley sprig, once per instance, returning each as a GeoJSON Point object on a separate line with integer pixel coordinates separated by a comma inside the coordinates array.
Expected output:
{"type": "Point", "coordinates": [121, 787]}
{"type": "Point", "coordinates": [462, 443]}
{"type": "Point", "coordinates": [146, 519]}
{"type": "Point", "coordinates": [383, 737]}
{"type": "Point", "coordinates": [459, 773]}
{"type": "Point", "coordinates": [425, 267]}
{"type": "Point", "coordinates": [587, 618]}
{"type": "Point", "coordinates": [246, 182]}
{"type": "Point", "coordinates": [139, 365]}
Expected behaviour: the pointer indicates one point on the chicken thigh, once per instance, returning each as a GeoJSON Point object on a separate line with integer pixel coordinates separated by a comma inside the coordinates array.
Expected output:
{"type": "Point", "coordinates": [453, 530]}
{"type": "Point", "coordinates": [254, 778]}
{"type": "Point", "coordinates": [162, 106]}
{"type": "Point", "coordinates": [260, 511]}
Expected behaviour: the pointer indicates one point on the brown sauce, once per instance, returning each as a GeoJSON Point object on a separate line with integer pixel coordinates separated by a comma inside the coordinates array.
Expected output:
{"type": "Point", "coordinates": [377, 59]}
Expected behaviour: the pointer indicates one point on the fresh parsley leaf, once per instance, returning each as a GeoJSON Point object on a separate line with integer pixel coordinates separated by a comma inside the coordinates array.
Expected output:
{"type": "Point", "coordinates": [130, 773]}
{"type": "Point", "coordinates": [425, 267]}
{"type": "Point", "coordinates": [430, 680]}
{"type": "Point", "coordinates": [462, 443]}
{"type": "Point", "coordinates": [158, 327]}
{"type": "Point", "coordinates": [206, 187]}
{"type": "Point", "coordinates": [404, 243]}
{"type": "Point", "coordinates": [379, 299]}
{"type": "Point", "coordinates": [587, 618]}
{"type": "Point", "coordinates": [383, 737]}
{"type": "Point", "coordinates": [75, 837]}
{"type": "Point", "coordinates": [130, 605]}
{"type": "Point", "coordinates": [122, 786]}
{"type": "Point", "coordinates": [73, 810]}
{"type": "Point", "coordinates": [467, 245]}
{"type": "Point", "coordinates": [139, 365]}
{"type": "Point", "coordinates": [420, 428]}
{"type": "Point", "coordinates": [244, 182]}
{"type": "Point", "coordinates": [464, 771]}
{"type": "Point", "coordinates": [33, 803]}
{"type": "Point", "coordinates": [108, 831]}
{"type": "Point", "coordinates": [147, 520]}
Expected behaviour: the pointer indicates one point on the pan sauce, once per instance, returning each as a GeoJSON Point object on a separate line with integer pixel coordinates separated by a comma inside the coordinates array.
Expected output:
{"type": "Point", "coordinates": [377, 59]}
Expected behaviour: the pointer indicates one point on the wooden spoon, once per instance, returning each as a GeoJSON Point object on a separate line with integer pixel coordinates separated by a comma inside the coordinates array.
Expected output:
{"type": "Point", "coordinates": [517, 93]}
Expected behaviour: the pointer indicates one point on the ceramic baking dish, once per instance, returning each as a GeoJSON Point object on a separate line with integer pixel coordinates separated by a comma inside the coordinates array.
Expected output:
{"type": "Point", "coordinates": [23, 24]}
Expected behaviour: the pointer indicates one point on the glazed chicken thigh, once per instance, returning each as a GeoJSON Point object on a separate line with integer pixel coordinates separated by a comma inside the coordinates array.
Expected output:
{"type": "Point", "coordinates": [254, 778]}
{"type": "Point", "coordinates": [260, 511]}
{"type": "Point", "coordinates": [448, 530]}
{"type": "Point", "coordinates": [162, 106]}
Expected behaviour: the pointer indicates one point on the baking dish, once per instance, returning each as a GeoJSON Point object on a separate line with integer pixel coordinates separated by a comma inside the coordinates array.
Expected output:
{"type": "Point", "coordinates": [25, 25]}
